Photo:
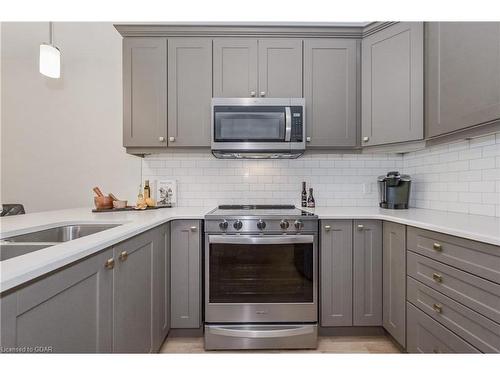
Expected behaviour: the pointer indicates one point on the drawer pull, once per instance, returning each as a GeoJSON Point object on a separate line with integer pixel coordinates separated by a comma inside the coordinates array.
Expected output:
{"type": "Point", "coordinates": [193, 229]}
{"type": "Point", "coordinates": [328, 227]}
{"type": "Point", "coordinates": [361, 227]}
{"type": "Point", "coordinates": [437, 308]}
{"type": "Point", "coordinates": [437, 246]}
{"type": "Point", "coordinates": [123, 256]}
{"type": "Point", "coordinates": [437, 277]}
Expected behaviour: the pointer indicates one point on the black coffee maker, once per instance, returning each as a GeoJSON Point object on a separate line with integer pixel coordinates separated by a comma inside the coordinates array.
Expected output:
{"type": "Point", "coordinates": [394, 190]}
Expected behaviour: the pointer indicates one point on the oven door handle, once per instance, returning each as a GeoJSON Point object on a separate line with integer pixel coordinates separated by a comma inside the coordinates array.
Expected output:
{"type": "Point", "coordinates": [261, 240]}
{"type": "Point", "coordinates": [288, 124]}
{"type": "Point", "coordinates": [260, 334]}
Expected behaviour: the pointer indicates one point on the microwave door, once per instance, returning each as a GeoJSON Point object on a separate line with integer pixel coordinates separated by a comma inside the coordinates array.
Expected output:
{"type": "Point", "coordinates": [240, 124]}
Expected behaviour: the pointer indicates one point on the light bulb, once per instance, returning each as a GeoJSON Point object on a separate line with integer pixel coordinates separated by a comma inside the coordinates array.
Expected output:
{"type": "Point", "coordinates": [50, 61]}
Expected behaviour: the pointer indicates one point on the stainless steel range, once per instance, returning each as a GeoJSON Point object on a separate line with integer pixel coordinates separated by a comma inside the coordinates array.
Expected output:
{"type": "Point", "coordinates": [261, 278]}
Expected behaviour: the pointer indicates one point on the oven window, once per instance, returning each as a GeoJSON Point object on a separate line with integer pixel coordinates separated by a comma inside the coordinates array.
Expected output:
{"type": "Point", "coordinates": [261, 273]}
{"type": "Point", "coordinates": [249, 126]}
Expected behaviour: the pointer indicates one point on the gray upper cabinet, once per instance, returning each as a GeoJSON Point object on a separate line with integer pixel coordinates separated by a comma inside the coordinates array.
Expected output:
{"type": "Point", "coordinates": [133, 294]}
{"type": "Point", "coordinates": [68, 311]}
{"type": "Point", "coordinates": [392, 85]}
{"type": "Point", "coordinates": [186, 274]}
{"type": "Point", "coordinates": [394, 280]}
{"type": "Point", "coordinates": [462, 75]}
{"type": "Point", "coordinates": [336, 273]}
{"type": "Point", "coordinates": [144, 92]}
{"type": "Point", "coordinates": [280, 68]}
{"type": "Point", "coordinates": [189, 91]}
{"type": "Point", "coordinates": [235, 67]}
{"type": "Point", "coordinates": [367, 273]}
{"type": "Point", "coordinates": [330, 91]}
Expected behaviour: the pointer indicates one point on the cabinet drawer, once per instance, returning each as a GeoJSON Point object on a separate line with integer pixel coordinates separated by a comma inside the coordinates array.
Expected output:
{"type": "Point", "coordinates": [425, 335]}
{"type": "Point", "coordinates": [483, 333]}
{"type": "Point", "coordinates": [480, 295]}
{"type": "Point", "coordinates": [475, 257]}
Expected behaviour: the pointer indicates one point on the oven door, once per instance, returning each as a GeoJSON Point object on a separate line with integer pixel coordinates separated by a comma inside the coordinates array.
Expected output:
{"type": "Point", "coordinates": [247, 128]}
{"type": "Point", "coordinates": [256, 278]}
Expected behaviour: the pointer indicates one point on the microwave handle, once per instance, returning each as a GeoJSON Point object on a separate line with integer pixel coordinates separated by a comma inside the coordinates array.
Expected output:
{"type": "Point", "coordinates": [288, 124]}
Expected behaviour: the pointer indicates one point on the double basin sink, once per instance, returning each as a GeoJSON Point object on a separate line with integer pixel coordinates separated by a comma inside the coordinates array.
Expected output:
{"type": "Point", "coordinates": [15, 246]}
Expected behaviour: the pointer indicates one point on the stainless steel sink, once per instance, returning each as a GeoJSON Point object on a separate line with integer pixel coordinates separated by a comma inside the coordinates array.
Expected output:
{"type": "Point", "coordinates": [15, 246]}
{"type": "Point", "coordinates": [61, 234]}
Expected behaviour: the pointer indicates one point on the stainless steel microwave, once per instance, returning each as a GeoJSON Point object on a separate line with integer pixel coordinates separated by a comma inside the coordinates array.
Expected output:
{"type": "Point", "coordinates": [258, 127]}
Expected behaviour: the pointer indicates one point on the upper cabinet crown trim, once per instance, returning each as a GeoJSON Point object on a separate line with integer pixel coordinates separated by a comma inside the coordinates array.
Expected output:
{"type": "Point", "coordinates": [319, 30]}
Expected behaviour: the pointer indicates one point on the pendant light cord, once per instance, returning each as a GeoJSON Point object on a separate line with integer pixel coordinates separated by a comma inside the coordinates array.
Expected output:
{"type": "Point", "coordinates": [51, 33]}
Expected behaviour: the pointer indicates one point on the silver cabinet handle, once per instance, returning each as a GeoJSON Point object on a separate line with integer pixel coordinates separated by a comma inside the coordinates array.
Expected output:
{"type": "Point", "coordinates": [245, 333]}
{"type": "Point", "coordinates": [253, 93]}
{"type": "Point", "coordinates": [262, 93]}
{"type": "Point", "coordinates": [308, 139]}
{"type": "Point", "coordinates": [361, 227]}
{"type": "Point", "coordinates": [193, 229]}
{"type": "Point", "coordinates": [328, 227]}
{"type": "Point", "coordinates": [171, 139]}
{"type": "Point", "coordinates": [161, 139]}
{"type": "Point", "coordinates": [366, 139]}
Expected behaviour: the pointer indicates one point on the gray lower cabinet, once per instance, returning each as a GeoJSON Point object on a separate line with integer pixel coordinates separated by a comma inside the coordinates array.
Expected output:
{"type": "Point", "coordinates": [144, 92]}
{"type": "Point", "coordinates": [367, 273]}
{"type": "Point", "coordinates": [394, 280]}
{"type": "Point", "coordinates": [462, 75]}
{"type": "Point", "coordinates": [162, 280]}
{"type": "Point", "coordinates": [235, 67]}
{"type": "Point", "coordinates": [186, 271]}
{"type": "Point", "coordinates": [68, 311]}
{"type": "Point", "coordinates": [336, 273]}
{"type": "Point", "coordinates": [392, 85]}
{"type": "Point", "coordinates": [425, 335]}
{"type": "Point", "coordinates": [280, 68]}
{"type": "Point", "coordinates": [189, 91]}
{"type": "Point", "coordinates": [330, 92]}
{"type": "Point", "coordinates": [134, 291]}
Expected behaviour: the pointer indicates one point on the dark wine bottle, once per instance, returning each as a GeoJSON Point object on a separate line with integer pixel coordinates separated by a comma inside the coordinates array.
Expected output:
{"type": "Point", "coordinates": [310, 199]}
{"type": "Point", "coordinates": [304, 194]}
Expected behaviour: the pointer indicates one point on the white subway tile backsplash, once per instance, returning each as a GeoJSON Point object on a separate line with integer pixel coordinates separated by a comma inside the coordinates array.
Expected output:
{"type": "Point", "coordinates": [460, 177]}
{"type": "Point", "coordinates": [468, 185]}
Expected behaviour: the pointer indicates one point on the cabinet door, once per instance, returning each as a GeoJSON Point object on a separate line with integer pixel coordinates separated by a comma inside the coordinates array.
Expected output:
{"type": "Point", "coordinates": [68, 311]}
{"type": "Point", "coordinates": [235, 67]}
{"type": "Point", "coordinates": [134, 294]}
{"type": "Point", "coordinates": [280, 68]}
{"type": "Point", "coordinates": [185, 274]}
{"type": "Point", "coordinates": [330, 90]}
{"type": "Point", "coordinates": [392, 85]}
{"type": "Point", "coordinates": [462, 75]}
{"type": "Point", "coordinates": [144, 92]}
{"type": "Point", "coordinates": [164, 272]}
{"type": "Point", "coordinates": [336, 273]}
{"type": "Point", "coordinates": [189, 91]}
{"type": "Point", "coordinates": [367, 273]}
{"type": "Point", "coordinates": [394, 280]}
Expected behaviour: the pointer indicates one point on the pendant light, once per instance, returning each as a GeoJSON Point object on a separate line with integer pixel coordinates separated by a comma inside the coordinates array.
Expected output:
{"type": "Point", "coordinates": [50, 57]}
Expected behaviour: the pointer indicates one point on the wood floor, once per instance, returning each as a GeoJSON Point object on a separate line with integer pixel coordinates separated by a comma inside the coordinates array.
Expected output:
{"type": "Point", "coordinates": [330, 344]}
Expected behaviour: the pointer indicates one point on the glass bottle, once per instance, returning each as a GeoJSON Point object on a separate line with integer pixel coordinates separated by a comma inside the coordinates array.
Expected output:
{"type": "Point", "coordinates": [310, 199]}
{"type": "Point", "coordinates": [304, 195]}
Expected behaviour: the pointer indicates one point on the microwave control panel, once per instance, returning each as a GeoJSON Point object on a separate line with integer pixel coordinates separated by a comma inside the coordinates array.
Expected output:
{"type": "Point", "coordinates": [297, 124]}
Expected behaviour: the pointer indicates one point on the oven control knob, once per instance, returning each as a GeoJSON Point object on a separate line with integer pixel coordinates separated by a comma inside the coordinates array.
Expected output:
{"type": "Point", "coordinates": [223, 225]}
{"type": "Point", "coordinates": [284, 224]}
{"type": "Point", "coordinates": [238, 225]}
{"type": "Point", "coordinates": [261, 225]}
{"type": "Point", "coordinates": [298, 224]}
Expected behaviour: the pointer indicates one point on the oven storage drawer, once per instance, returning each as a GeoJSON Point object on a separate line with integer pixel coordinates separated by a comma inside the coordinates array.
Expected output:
{"type": "Point", "coordinates": [425, 335]}
{"type": "Point", "coordinates": [481, 332]}
{"type": "Point", "coordinates": [474, 292]}
{"type": "Point", "coordinates": [277, 336]}
{"type": "Point", "coordinates": [475, 257]}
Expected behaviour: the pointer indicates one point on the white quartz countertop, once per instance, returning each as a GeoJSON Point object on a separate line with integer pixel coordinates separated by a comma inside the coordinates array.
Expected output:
{"type": "Point", "coordinates": [18, 270]}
